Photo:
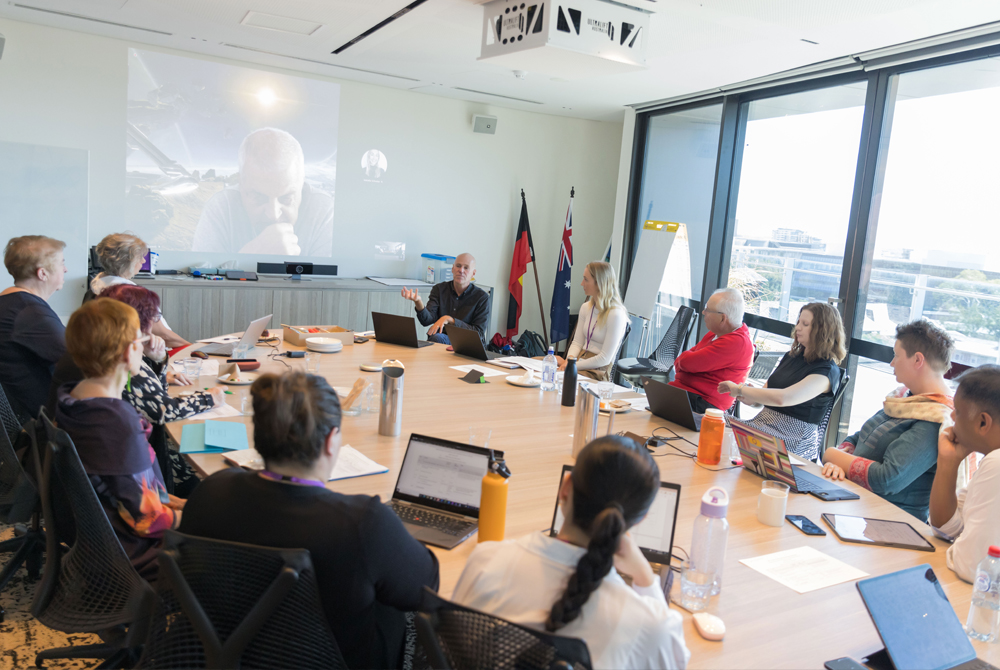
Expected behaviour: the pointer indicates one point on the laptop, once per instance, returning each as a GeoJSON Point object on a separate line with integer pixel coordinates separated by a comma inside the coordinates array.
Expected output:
{"type": "Point", "coordinates": [395, 329]}
{"type": "Point", "coordinates": [467, 342]}
{"type": "Point", "coordinates": [766, 455]}
{"type": "Point", "coordinates": [437, 492]}
{"type": "Point", "coordinates": [249, 339]}
{"type": "Point", "coordinates": [654, 534]}
{"type": "Point", "coordinates": [917, 624]}
{"type": "Point", "coordinates": [670, 403]}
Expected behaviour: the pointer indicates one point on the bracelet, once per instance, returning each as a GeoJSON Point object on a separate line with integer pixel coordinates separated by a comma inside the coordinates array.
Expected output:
{"type": "Point", "coordinates": [739, 391]}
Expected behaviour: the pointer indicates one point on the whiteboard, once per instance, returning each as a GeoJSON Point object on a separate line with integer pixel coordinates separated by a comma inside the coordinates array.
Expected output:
{"type": "Point", "coordinates": [655, 241]}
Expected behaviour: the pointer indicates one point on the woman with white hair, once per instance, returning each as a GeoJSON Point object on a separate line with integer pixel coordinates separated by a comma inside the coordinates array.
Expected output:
{"type": "Point", "coordinates": [32, 338]}
{"type": "Point", "coordinates": [121, 256]}
{"type": "Point", "coordinates": [601, 326]}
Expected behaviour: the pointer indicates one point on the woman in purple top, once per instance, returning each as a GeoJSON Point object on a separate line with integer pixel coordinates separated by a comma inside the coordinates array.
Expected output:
{"type": "Point", "coordinates": [109, 434]}
{"type": "Point", "coordinates": [31, 335]}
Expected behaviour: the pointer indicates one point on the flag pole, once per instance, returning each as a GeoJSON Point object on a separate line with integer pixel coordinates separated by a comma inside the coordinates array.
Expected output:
{"type": "Point", "coordinates": [538, 289]}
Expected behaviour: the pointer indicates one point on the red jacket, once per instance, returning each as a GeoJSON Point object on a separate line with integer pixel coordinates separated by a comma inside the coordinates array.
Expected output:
{"type": "Point", "coordinates": [724, 359]}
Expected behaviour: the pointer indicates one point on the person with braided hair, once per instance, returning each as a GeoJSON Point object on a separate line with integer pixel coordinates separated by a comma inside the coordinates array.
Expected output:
{"type": "Point", "coordinates": [570, 584]}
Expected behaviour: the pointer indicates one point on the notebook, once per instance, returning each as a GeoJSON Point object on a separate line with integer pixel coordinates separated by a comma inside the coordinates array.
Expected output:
{"type": "Point", "coordinates": [350, 463]}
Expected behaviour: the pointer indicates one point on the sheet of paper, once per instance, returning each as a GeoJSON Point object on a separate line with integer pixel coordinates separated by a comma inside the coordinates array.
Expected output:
{"type": "Point", "coordinates": [218, 412]}
{"type": "Point", "coordinates": [526, 363]}
{"type": "Point", "coordinates": [350, 463]}
{"type": "Point", "coordinates": [486, 370]}
{"type": "Point", "coordinates": [638, 403]}
{"type": "Point", "coordinates": [804, 569]}
{"type": "Point", "coordinates": [228, 435]}
{"type": "Point", "coordinates": [398, 281]}
{"type": "Point", "coordinates": [209, 368]}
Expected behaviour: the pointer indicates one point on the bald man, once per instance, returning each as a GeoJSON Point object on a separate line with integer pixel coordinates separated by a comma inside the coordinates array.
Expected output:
{"type": "Point", "coordinates": [272, 210]}
{"type": "Point", "coordinates": [455, 302]}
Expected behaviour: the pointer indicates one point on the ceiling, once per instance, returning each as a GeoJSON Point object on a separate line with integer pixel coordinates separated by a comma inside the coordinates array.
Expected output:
{"type": "Point", "coordinates": [693, 45]}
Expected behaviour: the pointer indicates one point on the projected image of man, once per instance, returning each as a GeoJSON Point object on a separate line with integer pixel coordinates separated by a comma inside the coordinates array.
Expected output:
{"type": "Point", "coordinates": [272, 210]}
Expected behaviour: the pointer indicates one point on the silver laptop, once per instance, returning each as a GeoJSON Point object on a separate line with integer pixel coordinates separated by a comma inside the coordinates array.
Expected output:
{"type": "Point", "coordinates": [437, 493]}
{"type": "Point", "coordinates": [249, 339]}
{"type": "Point", "coordinates": [655, 533]}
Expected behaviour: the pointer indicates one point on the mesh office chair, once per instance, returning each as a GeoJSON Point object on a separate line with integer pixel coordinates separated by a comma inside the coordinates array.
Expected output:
{"type": "Point", "coordinates": [19, 502]}
{"type": "Point", "coordinates": [621, 348]}
{"type": "Point", "coordinates": [824, 425]}
{"type": "Point", "coordinates": [458, 637]}
{"type": "Point", "coordinates": [91, 587]}
{"type": "Point", "coordinates": [764, 364]}
{"type": "Point", "coordinates": [231, 605]}
{"type": "Point", "coordinates": [660, 362]}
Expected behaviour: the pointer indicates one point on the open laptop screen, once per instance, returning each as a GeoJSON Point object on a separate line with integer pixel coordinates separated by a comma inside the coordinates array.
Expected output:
{"type": "Point", "coordinates": [443, 474]}
{"type": "Point", "coordinates": [915, 620]}
{"type": "Point", "coordinates": [655, 533]}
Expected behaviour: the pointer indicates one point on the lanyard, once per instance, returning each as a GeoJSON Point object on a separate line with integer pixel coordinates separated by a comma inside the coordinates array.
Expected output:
{"type": "Point", "coordinates": [287, 478]}
{"type": "Point", "coordinates": [590, 330]}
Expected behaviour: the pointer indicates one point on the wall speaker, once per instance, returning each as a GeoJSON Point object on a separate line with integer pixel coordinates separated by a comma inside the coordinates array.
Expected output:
{"type": "Point", "coordinates": [2, 40]}
{"type": "Point", "coordinates": [484, 124]}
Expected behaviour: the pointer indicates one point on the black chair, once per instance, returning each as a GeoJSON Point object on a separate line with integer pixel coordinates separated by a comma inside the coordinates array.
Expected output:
{"type": "Point", "coordinates": [19, 502]}
{"type": "Point", "coordinates": [824, 425]}
{"type": "Point", "coordinates": [459, 637]}
{"type": "Point", "coordinates": [88, 584]}
{"type": "Point", "coordinates": [614, 366]}
{"type": "Point", "coordinates": [661, 361]}
{"type": "Point", "coordinates": [231, 605]}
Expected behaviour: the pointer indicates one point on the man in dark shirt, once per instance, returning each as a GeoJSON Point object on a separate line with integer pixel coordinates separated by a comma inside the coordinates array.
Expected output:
{"type": "Point", "coordinates": [455, 302]}
{"type": "Point", "coordinates": [369, 569]}
{"type": "Point", "coordinates": [32, 338]}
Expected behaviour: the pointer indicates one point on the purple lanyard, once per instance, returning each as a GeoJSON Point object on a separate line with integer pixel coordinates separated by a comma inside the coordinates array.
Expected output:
{"type": "Point", "coordinates": [288, 478]}
{"type": "Point", "coordinates": [590, 331]}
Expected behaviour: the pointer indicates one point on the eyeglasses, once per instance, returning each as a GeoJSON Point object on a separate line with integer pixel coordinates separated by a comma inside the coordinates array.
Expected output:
{"type": "Point", "coordinates": [710, 311]}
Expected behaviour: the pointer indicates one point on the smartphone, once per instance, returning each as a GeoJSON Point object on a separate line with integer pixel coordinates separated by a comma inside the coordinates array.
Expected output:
{"type": "Point", "coordinates": [830, 495]}
{"type": "Point", "coordinates": [809, 528]}
{"type": "Point", "coordinates": [844, 663]}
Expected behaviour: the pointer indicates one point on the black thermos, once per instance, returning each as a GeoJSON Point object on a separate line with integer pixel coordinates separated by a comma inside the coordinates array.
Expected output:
{"type": "Point", "coordinates": [569, 383]}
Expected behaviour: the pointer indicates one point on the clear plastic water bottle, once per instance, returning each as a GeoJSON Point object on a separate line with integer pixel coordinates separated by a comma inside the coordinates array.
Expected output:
{"type": "Point", "coordinates": [984, 614]}
{"type": "Point", "coordinates": [702, 576]}
{"type": "Point", "coordinates": [549, 367]}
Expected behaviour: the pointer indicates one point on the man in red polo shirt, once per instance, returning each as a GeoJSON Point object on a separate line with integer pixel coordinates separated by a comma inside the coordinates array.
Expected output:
{"type": "Point", "coordinates": [724, 354]}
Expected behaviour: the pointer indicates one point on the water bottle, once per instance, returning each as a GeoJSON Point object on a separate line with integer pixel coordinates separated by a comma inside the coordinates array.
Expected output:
{"type": "Point", "coordinates": [549, 367]}
{"type": "Point", "coordinates": [710, 437]}
{"type": "Point", "coordinates": [702, 577]}
{"type": "Point", "coordinates": [569, 383]}
{"type": "Point", "coordinates": [493, 501]}
{"type": "Point", "coordinates": [984, 614]}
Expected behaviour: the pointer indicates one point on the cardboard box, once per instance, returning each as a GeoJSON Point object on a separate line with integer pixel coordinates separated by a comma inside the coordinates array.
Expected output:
{"type": "Point", "coordinates": [297, 334]}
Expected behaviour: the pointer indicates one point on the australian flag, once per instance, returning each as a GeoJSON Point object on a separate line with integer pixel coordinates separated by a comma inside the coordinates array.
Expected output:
{"type": "Point", "coordinates": [564, 279]}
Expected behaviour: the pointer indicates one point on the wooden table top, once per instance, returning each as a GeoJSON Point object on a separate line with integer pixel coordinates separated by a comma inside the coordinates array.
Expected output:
{"type": "Point", "coordinates": [768, 625]}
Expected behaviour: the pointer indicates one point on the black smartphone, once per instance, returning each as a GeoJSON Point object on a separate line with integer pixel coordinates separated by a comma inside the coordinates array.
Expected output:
{"type": "Point", "coordinates": [844, 663]}
{"type": "Point", "coordinates": [807, 527]}
{"type": "Point", "coordinates": [831, 496]}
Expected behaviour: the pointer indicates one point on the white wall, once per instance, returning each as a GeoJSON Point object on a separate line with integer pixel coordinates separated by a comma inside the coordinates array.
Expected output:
{"type": "Point", "coordinates": [448, 190]}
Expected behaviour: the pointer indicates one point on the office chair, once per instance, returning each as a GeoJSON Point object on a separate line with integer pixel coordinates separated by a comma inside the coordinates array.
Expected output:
{"type": "Point", "coordinates": [824, 425]}
{"type": "Point", "coordinates": [621, 348]}
{"type": "Point", "coordinates": [660, 362]}
{"type": "Point", "coordinates": [232, 605]}
{"type": "Point", "coordinates": [91, 587]}
{"type": "Point", "coordinates": [459, 637]}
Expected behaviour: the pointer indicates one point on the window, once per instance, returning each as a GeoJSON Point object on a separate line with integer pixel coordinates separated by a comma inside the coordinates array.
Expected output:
{"type": "Point", "coordinates": [934, 216]}
{"type": "Point", "coordinates": [793, 206]}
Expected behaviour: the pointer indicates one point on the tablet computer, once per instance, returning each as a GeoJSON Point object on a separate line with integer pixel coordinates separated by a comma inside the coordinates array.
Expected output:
{"type": "Point", "coordinates": [877, 532]}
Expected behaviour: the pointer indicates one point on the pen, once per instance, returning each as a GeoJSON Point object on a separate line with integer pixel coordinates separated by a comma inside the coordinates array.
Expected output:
{"type": "Point", "coordinates": [226, 392]}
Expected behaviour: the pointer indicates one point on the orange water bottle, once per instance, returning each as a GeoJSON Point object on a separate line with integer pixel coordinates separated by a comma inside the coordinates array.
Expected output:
{"type": "Point", "coordinates": [710, 440]}
{"type": "Point", "coordinates": [493, 501]}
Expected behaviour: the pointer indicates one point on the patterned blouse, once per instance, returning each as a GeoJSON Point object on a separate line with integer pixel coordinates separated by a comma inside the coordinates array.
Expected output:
{"type": "Point", "coordinates": [148, 394]}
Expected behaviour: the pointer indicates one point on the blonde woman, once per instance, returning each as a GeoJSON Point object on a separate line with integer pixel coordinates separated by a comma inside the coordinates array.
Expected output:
{"type": "Point", "coordinates": [601, 325]}
{"type": "Point", "coordinates": [121, 256]}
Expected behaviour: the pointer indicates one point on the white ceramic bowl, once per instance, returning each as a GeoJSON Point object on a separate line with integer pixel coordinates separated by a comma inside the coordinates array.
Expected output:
{"type": "Point", "coordinates": [324, 345]}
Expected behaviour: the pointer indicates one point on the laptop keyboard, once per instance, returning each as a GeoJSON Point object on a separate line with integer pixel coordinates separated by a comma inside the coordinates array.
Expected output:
{"type": "Point", "coordinates": [424, 517]}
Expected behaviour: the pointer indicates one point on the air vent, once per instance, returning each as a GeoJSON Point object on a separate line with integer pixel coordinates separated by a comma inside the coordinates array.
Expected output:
{"type": "Point", "coordinates": [496, 95]}
{"type": "Point", "coordinates": [379, 26]}
{"type": "Point", "coordinates": [318, 62]}
{"type": "Point", "coordinates": [91, 18]}
{"type": "Point", "coordinates": [282, 24]}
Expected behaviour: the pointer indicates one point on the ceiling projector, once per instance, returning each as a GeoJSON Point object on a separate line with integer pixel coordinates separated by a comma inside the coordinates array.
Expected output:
{"type": "Point", "coordinates": [570, 39]}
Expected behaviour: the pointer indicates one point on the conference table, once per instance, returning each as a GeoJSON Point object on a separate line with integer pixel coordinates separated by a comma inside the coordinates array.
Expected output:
{"type": "Point", "coordinates": [768, 624]}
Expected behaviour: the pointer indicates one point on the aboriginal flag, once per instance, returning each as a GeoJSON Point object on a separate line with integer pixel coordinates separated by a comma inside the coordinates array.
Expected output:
{"type": "Point", "coordinates": [524, 253]}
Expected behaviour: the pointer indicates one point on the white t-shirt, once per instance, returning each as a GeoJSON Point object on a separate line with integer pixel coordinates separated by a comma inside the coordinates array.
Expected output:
{"type": "Point", "coordinates": [603, 340]}
{"type": "Point", "coordinates": [976, 522]}
{"type": "Point", "coordinates": [624, 627]}
{"type": "Point", "coordinates": [103, 281]}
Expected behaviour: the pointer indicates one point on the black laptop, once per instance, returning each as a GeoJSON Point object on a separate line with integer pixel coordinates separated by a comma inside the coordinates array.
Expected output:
{"type": "Point", "coordinates": [670, 403]}
{"type": "Point", "coordinates": [395, 329]}
{"type": "Point", "coordinates": [466, 342]}
{"type": "Point", "coordinates": [437, 493]}
{"type": "Point", "coordinates": [917, 624]}
{"type": "Point", "coordinates": [655, 533]}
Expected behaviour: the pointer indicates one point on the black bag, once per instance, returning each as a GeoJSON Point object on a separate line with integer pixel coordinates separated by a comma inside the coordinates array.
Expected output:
{"type": "Point", "coordinates": [529, 345]}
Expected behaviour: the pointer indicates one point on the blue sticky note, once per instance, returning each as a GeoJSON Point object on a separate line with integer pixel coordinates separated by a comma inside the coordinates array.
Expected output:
{"type": "Point", "coordinates": [225, 436]}
{"type": "Point", "coordinates": [193, 438]}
